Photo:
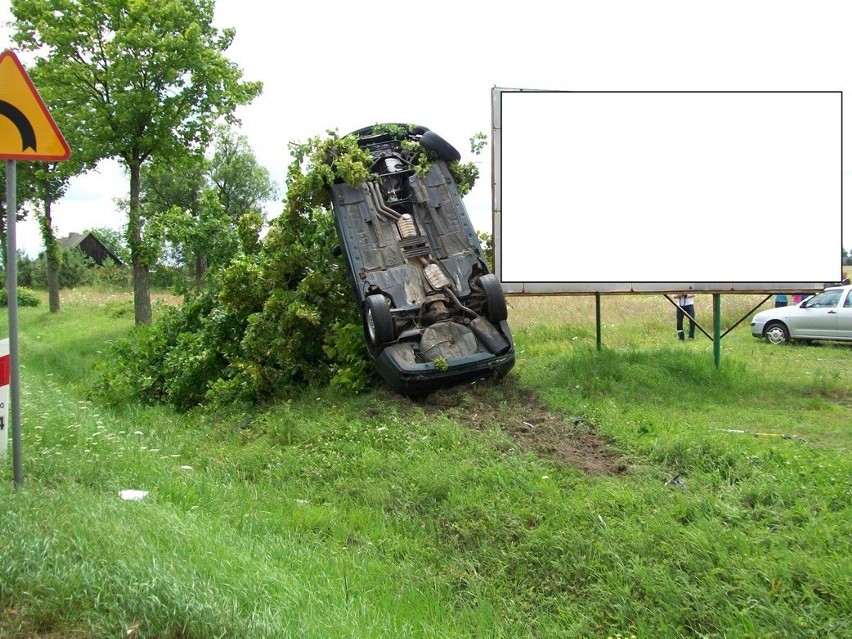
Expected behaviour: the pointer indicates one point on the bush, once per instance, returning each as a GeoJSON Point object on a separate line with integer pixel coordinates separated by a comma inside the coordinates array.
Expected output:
{"type": "Point", "coordinates": [26, 297]}
{"type": "Point", "coordinates": [75, 269]}
{"type": "Point", "coordinates": [111, 275]}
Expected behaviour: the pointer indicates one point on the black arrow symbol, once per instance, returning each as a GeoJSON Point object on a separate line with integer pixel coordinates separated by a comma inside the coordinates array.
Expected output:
{"type": "Point", "coordinates": [28, 138]}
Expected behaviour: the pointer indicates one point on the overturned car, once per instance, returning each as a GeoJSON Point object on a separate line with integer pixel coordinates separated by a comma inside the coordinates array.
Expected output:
{"type": "Point", "coordinates": [433, 314]}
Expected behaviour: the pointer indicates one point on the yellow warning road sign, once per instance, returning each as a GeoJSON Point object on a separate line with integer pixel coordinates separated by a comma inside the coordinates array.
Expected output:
{"type": "Point", "coordinates": [27, 131]}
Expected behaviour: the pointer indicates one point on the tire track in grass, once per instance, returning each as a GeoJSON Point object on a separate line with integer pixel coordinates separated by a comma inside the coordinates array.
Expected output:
{"type": "Point", "coordinates": [525, 418]}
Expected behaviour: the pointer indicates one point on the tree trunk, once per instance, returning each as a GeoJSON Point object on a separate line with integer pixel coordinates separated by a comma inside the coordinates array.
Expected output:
{"type": "Point", "coordinates": [200, 269]}
{"type": "Point", "coordinates": [141, 276]}
{"type": "Point", "coordinates": [51, 254]}
{"type": "Point", "coordinates": [53, 289]}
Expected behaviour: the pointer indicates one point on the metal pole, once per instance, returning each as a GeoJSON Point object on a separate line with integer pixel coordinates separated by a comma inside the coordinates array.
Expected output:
{"type": "Point", "coordinates": [598, 318]}
{"type": "Point", "coordinates": [12, 302]}
{"type": "Point", "coordinates": [717, 329]}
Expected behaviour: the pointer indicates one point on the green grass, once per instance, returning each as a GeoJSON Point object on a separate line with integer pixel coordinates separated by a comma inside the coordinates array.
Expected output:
{"type": "Point", "coordinates": [366, 516]}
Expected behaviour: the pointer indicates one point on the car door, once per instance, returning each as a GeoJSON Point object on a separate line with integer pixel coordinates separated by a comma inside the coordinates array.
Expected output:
{"type": "Point", "coordinates": [844, 317]}
{"type": "Point", "coordinates": [817, 317]}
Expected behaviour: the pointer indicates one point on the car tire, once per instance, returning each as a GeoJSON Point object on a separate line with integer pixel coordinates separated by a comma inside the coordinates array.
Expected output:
{"type": "Point", "coordinates": [445, 151]}
{"type": "Point", "coordinates": [379, 326]}
{"type": "Point", "coordinates": [776, 333]}
{"type": "Point", "coordinates": [495, 302]}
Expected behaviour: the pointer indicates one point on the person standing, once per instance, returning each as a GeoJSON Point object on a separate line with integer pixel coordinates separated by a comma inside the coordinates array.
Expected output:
{"type": "Point", "coordinates": [780, 300]}
{"type": "Point", "coordinates": [686, 306]}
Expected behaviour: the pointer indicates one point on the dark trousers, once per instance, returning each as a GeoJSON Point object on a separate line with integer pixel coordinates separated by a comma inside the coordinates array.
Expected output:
{"type": "Point", "coordinates": [689, 311]}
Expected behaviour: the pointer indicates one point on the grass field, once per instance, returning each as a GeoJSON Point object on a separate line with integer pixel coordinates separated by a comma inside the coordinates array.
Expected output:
{"type": "Point", "coordinates": [636, 492]}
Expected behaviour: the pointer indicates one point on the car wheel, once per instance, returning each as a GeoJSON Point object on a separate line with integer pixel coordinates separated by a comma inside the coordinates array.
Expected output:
{"type": "Point", "coordinates": [776, 333]}
{"type": "Point", "coordinates": [378, 323]}
{"type": "Point", "coordinates": [495, 301]}
{"type": "Point", "coordinates": [445, 151]}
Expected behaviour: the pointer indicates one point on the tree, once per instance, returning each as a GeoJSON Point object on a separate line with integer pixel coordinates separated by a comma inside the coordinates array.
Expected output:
{"type": "Point", "coordinates": [146, 80]}
{"type": "Point", "coordinates": [199, 200]}
{"type": "Point", "coordinates": [23, 194]}
{"type": "Point", "coordinates": [241, 183]}
{"type": "Point", "coordinates": [51, 179]}
{"type": "Point", "coordinates": [171, 191]}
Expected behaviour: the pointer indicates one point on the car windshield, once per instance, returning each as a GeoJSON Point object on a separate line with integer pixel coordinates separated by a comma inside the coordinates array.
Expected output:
{"type": "Point", "coordinates": [824, 299]}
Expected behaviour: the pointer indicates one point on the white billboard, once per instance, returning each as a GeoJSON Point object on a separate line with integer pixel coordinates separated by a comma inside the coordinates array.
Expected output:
{"type": "Point", "coordinates": [665, 190]}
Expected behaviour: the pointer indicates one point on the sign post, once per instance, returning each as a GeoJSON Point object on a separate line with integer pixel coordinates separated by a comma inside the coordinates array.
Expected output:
{"type": "Point", "coordinates": [27, 132]}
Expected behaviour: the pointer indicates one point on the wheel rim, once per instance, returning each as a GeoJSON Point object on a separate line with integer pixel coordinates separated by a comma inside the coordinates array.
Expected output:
{"type": "Point", "coordinates": [371, 326]}
{"type": "Point", "coordinates": [776, 335]}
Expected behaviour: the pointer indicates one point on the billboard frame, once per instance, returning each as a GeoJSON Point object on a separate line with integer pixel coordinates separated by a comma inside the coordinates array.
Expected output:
{"type": "Point", "coordinates": [588, 288]}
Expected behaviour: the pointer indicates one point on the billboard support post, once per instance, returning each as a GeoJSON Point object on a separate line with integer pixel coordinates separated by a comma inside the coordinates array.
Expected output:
{"type": "Point", "coordinates": [717, 329]}
{"type": "Point", "coordinates": [598, 318]}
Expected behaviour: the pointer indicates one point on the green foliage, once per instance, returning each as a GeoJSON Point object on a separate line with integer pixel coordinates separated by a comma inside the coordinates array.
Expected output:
{"type": "Point", "coordinates": [478, 142]}
{"type": "Point", "coordinates": [465, 175]}
{"type": "Point", "coordinates": [27, 268]}
{"type": "Point", "coordinates": [241, 184]}
{"type": "Point", "coordinates": [120, 308]}
{"type": "Point", "coordinates": [248, 230]}
{"type": "Point", "coordinates": [486, 241]}
{"type": "Point", "coordinates": [168, 277]}
{"type": "Point", "coordinates": [142, 80]}
{"type": "Point", "coordinates": [147, 78]}
{"type": "Point", "coordinates": [169, 362]}
{"type": "Point", "coordinates": [75, 269]}
{"type": "Point", "coordinates": [344, 346]}
{"type": "Point", "coordinates": [277, 317]}
{"type": "Point", "coordinates": [111, 275]}
{"type": "Point", "coordinates": [195, 204]}
{"type": "Point", "coordinates": [26, 297]}
{"type": "Point", "coordinates": [52, 250]}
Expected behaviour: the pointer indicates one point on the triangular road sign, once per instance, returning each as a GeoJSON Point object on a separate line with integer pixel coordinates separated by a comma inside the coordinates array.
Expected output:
{"type": "Point", "coordinates": [27, 132]}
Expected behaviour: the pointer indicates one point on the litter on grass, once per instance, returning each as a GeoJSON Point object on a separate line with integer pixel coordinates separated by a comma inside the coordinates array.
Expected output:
{"type": "Point", "coordinates": [133, 495]}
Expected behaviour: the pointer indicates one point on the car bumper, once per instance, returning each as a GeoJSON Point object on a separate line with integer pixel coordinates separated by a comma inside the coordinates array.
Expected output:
{"type": "Point", "coordinates": [421, 378]}
{"type": "Point", "coordinates": [757, 329]}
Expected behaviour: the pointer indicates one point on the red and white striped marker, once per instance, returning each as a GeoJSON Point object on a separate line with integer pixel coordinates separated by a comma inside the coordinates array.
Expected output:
{"type": "Point", "coordinates": [5, 374]}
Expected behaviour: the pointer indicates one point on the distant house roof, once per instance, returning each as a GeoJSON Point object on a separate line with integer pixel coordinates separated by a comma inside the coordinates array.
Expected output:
{"type": "Point", "coordinates": [90, 245]}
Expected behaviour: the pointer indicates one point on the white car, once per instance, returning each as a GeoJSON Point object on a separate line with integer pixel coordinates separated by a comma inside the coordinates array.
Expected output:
{"type": "Point", "coordinates": [825, 316]}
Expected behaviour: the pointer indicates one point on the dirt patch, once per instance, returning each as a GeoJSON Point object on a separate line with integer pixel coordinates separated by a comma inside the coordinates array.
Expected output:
{"type": "Point", "coordinates": [532, 425]}
{"type": "Point", "coordinates": [841, 397]}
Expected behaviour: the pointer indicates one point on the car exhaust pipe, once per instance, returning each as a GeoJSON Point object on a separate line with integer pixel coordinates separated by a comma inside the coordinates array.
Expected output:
{"type": "Point", "coordinates": [379, 201]}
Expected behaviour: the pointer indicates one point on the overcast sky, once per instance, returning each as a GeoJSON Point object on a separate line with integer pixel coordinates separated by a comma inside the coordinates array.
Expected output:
{"type": "Point", "coordinates": [345, 65]}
